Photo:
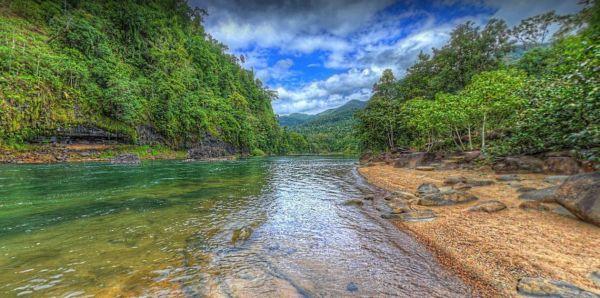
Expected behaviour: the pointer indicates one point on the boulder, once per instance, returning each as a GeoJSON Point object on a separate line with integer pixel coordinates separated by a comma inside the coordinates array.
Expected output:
{"type": "Point", "coordinates": [542, 195]}
{"type": "Point", "coordinates": [523, 189]}
{"type": "Point", "coordinates": [580, 194]}
{"type": "Point", "coordinates": [402, 195]}
{"type": "Point", "coordinates": [412, 160]}
{"type": "Point", "coordinates": [534, 205]}
{"type": "Point", "coordinates": [560, 210]}
{"type": "Point", "coordinates": [541, 287]}
{"type": "Point", "coordinates": [454, 180]}
{"type": "Point", "coordinates": [488, 206]}
{"type": "Point", "coordinates": [427, 188]}
{"type": "Point", "coordinates": [562, 165]}
{"type": "Point", "coordinates": [508, 177]}
{"type": "Point", "coordinates": [461, 186]}
{"type": "Point", "coordinates": [519, 164]}
{"type": "Point", "coordinates": [130, 159]}
{"type": "Point", "coordinates": [471, 155]}
{"type": "Point", "coordinates": [556, 179]}
{"type": "Point", "coordinates": [451, 197]}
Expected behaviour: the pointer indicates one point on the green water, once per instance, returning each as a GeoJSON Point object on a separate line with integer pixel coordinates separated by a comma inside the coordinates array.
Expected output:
{"type": "Point", "coordinates": [165, 228]}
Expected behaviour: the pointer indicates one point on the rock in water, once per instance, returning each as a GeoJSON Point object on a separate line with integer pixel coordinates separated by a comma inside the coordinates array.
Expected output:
{"type": "Point", "coordinates": [489, 206]}
{"type": "Point", "coordinates": [541, 287]}
{"type": "Point", "coordinates": [427, 188]}
{"type": "Point", "coordinates": [542, 195]}
{"type": "Point", "coordinates": [354, 202]}
{"type": "Point", "coordinates": [580, 194]}
{"type": "Point", "coordinates": [131, 159]}
{"type": "Point", "coordinates": [451, 197]}
{"type": "Point", "coordinates": [351, 287]}
{"type": "Point", "coordinates": [241, 234]}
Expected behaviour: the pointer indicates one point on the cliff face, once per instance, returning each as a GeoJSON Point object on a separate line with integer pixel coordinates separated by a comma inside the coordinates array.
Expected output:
{"type": "Point", "coordinates": [135, 72]}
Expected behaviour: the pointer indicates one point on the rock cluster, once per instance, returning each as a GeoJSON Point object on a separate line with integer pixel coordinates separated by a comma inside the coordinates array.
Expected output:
{"type": "Point", "coordinates": [127, 158]}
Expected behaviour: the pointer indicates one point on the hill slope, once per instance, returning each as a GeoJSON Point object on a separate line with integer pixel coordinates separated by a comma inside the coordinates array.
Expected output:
{"type": "Point", "coordinates": [328, 131]}
{"type": "Point", "coordinates": [144, 70]}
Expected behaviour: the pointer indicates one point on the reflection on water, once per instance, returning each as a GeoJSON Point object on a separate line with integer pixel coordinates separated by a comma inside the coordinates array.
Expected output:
{"type": "Point", "coordinates": [256, 227]}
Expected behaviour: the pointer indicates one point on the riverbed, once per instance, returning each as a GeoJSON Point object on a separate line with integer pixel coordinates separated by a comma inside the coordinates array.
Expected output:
{"type": "Point", "coordinates": [264, 227]}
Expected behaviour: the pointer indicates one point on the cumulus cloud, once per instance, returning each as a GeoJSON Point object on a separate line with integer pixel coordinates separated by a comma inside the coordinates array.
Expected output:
{"type": "Point", "coordinates": [353, 39]}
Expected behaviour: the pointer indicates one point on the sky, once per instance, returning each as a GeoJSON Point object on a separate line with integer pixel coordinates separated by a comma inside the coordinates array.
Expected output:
{"type": "Point", "coordinates": [319, 55]}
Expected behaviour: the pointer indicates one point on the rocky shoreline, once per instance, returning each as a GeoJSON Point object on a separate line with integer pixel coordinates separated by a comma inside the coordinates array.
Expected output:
{"type": "Point", "coordinates": [480, 223]}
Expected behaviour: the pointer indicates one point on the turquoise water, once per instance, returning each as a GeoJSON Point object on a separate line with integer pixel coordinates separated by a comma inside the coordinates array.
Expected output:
{"type": "Point", "coordinates": [167, 228]}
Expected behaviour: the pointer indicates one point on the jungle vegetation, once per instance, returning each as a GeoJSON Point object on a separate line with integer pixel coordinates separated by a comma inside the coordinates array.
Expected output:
{"type": "Point", "coordinates": [473, 93]}
{"type": "Point", "coordinates": [122, 65]}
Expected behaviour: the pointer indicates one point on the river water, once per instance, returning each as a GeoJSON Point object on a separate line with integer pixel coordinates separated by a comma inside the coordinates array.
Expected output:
{"type": "Point", "coordinates": [269, 227]}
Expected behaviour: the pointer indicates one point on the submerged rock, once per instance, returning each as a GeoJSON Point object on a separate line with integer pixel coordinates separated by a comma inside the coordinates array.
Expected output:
{"type": "Point", "coordinates": [131, 159]}
{"type": "Point", "coordinates": [488, 206]}
{"type": "Point", "coordinates": [369, 197]}
{"type": "Point", "coordinates": [354, 202]}
{"type": "Point", "coordinates": [241, 235]}
{"type": "Point", "coordinates": [541, 287]}
{"type": "Point", "coordinates": [351, 287]}
{"type": "Point", "coordinates": [580, 194]}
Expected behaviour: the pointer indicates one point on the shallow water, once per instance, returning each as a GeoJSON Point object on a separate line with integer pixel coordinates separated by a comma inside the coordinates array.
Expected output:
{"type": "Point", "coordinates": [166, 228]}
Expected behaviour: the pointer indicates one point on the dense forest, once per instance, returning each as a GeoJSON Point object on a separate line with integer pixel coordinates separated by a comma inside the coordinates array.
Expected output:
{"type": "Point", "coordinates": [476, 93]}
{"type": "Point", "coordinates": [126, 66]}
{"type": "Point", "coordinates": [331, 131]}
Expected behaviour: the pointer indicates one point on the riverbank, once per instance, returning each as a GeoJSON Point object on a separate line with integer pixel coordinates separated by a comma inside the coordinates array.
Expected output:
{"type": "Point", "coordinates": [54, 153]}
{"type": "Point", "coordinates": [500, 248]}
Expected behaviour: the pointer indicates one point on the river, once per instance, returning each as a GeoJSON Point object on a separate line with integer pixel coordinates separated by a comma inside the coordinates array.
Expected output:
{"type": "Point", "coordinates": [264, 227]}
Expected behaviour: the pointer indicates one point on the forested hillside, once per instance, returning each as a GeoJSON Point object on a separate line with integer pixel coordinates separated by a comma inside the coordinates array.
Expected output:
{"type": "Point", "coordinates": [473, 94]}
{"type": "Point", "coordinates": [331, 131]}
{"type": "Point", "coordinates": [127, 67]}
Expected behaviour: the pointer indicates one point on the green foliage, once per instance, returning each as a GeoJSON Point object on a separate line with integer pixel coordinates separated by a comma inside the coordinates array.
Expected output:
{"type": "Point", "coordinates": [547, 100]}
{"type": "Point", "coordinates": [123, 64]}
{"type": "Point", "coordinates": [328, 132]}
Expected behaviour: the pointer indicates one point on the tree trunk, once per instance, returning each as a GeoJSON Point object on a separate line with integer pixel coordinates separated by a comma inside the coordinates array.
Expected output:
{"type": "Point", "coordinates": [462, 146]}
{"type": "Point", "coordinates": [470, 142]}
{"type": "Point", "coordinates": [483, 134]}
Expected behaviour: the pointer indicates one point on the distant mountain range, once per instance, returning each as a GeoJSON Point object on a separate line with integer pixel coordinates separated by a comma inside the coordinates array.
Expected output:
{"type": "Point", "coordinates": [328, 117]}
{"type": "Point", "coordinates": [328, 131]}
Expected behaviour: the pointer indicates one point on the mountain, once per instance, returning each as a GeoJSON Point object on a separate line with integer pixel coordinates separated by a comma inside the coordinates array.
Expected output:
{"type": "Point", "coordinates": [331, 131]}
{"type": "Point", "coordinates": [142, 70]}
{"type": "Point", "coordinates": [328, 117]}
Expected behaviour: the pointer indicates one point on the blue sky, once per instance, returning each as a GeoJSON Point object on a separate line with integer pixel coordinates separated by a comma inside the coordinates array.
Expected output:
{"type": "Point", "coordinates": [320, 54]}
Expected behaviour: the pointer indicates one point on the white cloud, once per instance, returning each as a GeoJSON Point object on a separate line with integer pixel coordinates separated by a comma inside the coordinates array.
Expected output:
{"type": "Point", "coordinates": [358, 39]}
